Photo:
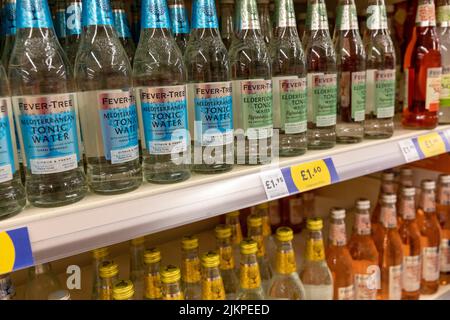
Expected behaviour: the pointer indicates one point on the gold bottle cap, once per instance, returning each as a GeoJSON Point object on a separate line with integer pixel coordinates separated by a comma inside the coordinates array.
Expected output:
{"type": "Point", "coordinates": [284, 234]}
{"type": "Point", "coordinates": [100, 253]}
{"type": "Point", "coordinates": [152, 255]}
{"type": "Point", "coordinates": [233, 214]}
{"type": "Point", "coordinates": [170, 274]}
{"type": "Point", "coordinates": [123, 290]}
{"type": "Point", "coordinates": [249, 246]}
{"type": "Point", "coordinates": [264, 205]}
{"type": "Point", "coordinates": [108, 269]}
{"type": "Point", "coordinates": [314, 224]}
{"type": "Point", "coordinates": [138, 241]}
{"type": "Point", "coordinates": [189, 242]}
{"type": "Point", "coordinates": [254, 220]}
{"type": "Point", "coordinates": [223, 231]}
{"type": "Point", "coordinates": [210, 259]}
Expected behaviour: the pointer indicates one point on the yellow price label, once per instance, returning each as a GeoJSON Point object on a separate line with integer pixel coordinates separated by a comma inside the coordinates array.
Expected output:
{"type": "Point", "coordinates": [431, 144]}
{"type": "Point", "coordinates": [312, 175]}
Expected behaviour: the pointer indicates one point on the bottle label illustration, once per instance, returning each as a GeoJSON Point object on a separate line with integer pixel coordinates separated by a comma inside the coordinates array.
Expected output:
{"type": "Point", "coordinates": [48, 127]}
{"type": "Point", "coordinates": [153, 286]}
{"type": "Point", "coordinates": [426, 15]}
{"type": "Point", "coordinates": [9, 16]}
{"type": "Point", "coordinates": [380, 99]}
{"type": "Point", "coordinates": [388, 217]}
{"type": "Point", "coordinates": [395, 282]}
{"type": "Point", "coordinates": [213, 289]}
{"type": "Point", "coordinates": [155, 14]}
{"type": "Point", "coordinates": [33, 14]}
{"type": "Point", "coordinates": [286, 15]}
{"type": "Point", "coordinates": [366, 284]}
{"type": "Point", "coordinates": [7, 158]}
{"type": "Point", "coordinates": [362, 224]}
{"type": "Point", "coordinates": [249, 276]}
{"type": "Point", "coordinates": [376, 17]}
{"type": "Point", "coordinates": [191, 270]}
{"type": "Point", "coordinates": [407, 209]}
{"type": "Point", "coordinates": [226, 258]}
{"type": "Point", "coordinates": [315, 250]}
{"type": "Point", "coordinates": [317, 18]}
{"type": "Point", "coordinates": [97, 12]}
{"type": "Point", "coordinates": [445, 253]}
{"type": "Point", "coordinates": [443, 15]}
{"type": "Point", "coordinates": [359, 96]}
{"type": "Point", "coordinates": [430, 265]}
{"type": "Point", "coordinates": [428, 202]}
{"type": "Point", "coordinates": [337, 234]}
{"type": "Point", "coordinates": [411, 273]}
{"type": "Point", "coordinates": [179, 19]}
{"type": "Point", "coordinates": [444, 99]}
{"type": "Point", "coordinates": [347, 293]}
{"type": "Point", "coordinates": [164, 114]}
{"type": "Point", "coordinates": [285, 262]}
{"type": "Point", "coordinates": [433, 89]}
{"type": "Point", "coordinates": [73, 18]}
{"type": "Point", "coordinates": [121, 23]}
{"type": "Point", "coordinates": [249, 19]}
{"type": "Point", "coordinates": [60, 23]}
{"type": "Point", "coordinates": [347, 18]}
{"type": "Point", "coordinates": [204, 15]}
{"type": "Point", "coordinates": [322, 99]}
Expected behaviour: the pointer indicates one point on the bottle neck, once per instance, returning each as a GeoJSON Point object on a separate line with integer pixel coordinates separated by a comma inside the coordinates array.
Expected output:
{"type": "Point", "coordinates": [443, 13]}
{"type": "Point", "coordinates": [426, 14]}
{"type": "Point", "coordinates": [236, 232]}
{"type": "Point", "coordinates": [315, 250]}
{"type": "Point", "coordinates": [337, 234]}
{"type": "Point", "coordinates": [226, 254]}
{"type": "Point", "coordinates": [285, 260]}
{"type": "Point", "coordinates": [121, 23]}
{"type": "Point", "coordinates": [362, 223]}
{"type": "Point", "coordinates": [250, 277]}
{"type": "Point", "coordinates": [9, 15]}
{"type": "Point", "coordinates": [172, 291]}
{"type": "Point", "coordinates": [407, 208]}
{"type": "Point", "coordinates": [118, 5]}
{"type": "Point", "coordinates": [204, 15]}
{"type": "Point", "coordinates": [227, 26]}
{"type": "Point", "coordinates": [190, 266]}
{"type": "Point", "coordinates": [153, 268]}
{"type": "Point", "coordinates": [248, 17]}
{"type": "Point", "coordinates": [33, 14]}
{"type": "Point", "coordinates": [444, 194]}
{"type": "Point", "coordinates": [376, 16]}
{"type": "Point", "coordinates": [41, 269]}
{"type": "Point", "coordinates": [97, 13]}
{"type": "Point", "coordinates": [285, 14]}
{"type": "Point", "coordinates": [388, 216]}
{"type": "Point", "coordinates": [157, 17]}
{"type": "Point", "coordinates": [428, 201]}
{"type": "Point", "coordinates": [316, 16]}
{"type": "Point", "coordinates": [387, 187]}
{"type": "Point", "coordinates": [137, 257]}
{"type": "Point", "coordinates": [347, 19]}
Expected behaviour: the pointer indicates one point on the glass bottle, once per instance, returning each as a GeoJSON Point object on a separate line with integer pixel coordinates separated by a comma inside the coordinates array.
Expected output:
{"type": "Point", "coordinates": [212, 283]}
{"type": "Point", "coordinates": [291, 208]}
{"type": "Point", "coordinates": [123, 29]}
{"type": "Point", "coordinates": [227, 261]}
{"type": "Point", "coordinates": [161, 98]}
{"type": "Point", "coordinates": [152, 277]}
{"type": "Point", "coordinates": [288, 81]}
{"type": "Point", "coordinates": [338, 257]}
{"type": "Point", "coordinates": [137, 268]}
{"type": "Point", "coordinates": [322, 78]}
{"type": "Point", "coordinates": [443, 199]}
{"type": "Point", "coordinates": [443, 208]}
{"type": "Point", "coordinates": [180, 23]}
{"type": "Point", "coordinates": [41, 282]}
{"type": "Point", "coordinates": [209, 92]}
{"type": "Point", "coordinates": [54, 169]}
{"type": "Point", "coordinates": [170, 279]}
{"type": "Point", "coordinates": [364, 254]}
{"type": "Point", "coordinates": [406, 178]}
{"type": "Point", "coordinates": [390, 250]}
{"type": "Point", "coordinates": [410, 235]}
{"type": "Point", "coordinates": [430, 232]}
{"type": "Point", "coordinates": [262, 210]}
{"type": "Point", "coordinates": [309, 204]}
{"type": "Point", "coordinates": [252, 88]}
{"type": "Point", "coordinates": [381, 74]}
{"type": "Point", "coordinates": [60, 21]}
{"type": "Point", "coordinates": [443, 31]}
{"type": "Point", "coordinates": [136, 20]}
{"type": "Point", "coordinates": [99, 256]}
{"type": "Point", "coordinates": [314, 273]}
{"type": "Point", "coordinates": [285, 283]}
{"type": "Point", "coordinates": [351, 66]}
{"type": "Point", "coordinates": [232, 220]}
{"type": "Point", "coordinates": [227, 21]}
{"type": "Point", "coordinates": [250, 287]}
{"type": "Point", "coordinates": [275, 215]}
{"type": "Point", "coordinates": [73, 29]}
{"type": "Point", "coordinates": [123, 290]}
{"type": "Point", "coordinates": [109, 275]}
{"type": "Point", "coordinates": [7, 288]}
{"type": "Point", "coordinates": [265, 20]}
{"type": "Point", "coordinates": [190, 268]}
{"type": "Point", "coordinates": [423, 68]}
{"type": "Point", "coordinates": [9, 25]}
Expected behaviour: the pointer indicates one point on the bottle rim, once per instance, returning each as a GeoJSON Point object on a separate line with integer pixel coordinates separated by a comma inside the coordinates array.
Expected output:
{"type": "Point", "coordinates": [338, 213]}
{"type": "Point", "coordinates": [444, 178]}
{"type": "Point", "coordinates": [152, 255]}
{"type": "Point", "coordinates": [409, 191]}
{"type": "Point", "coordinates": [222, 231]}
{"type": "Point", "coordinates": [170, 274]}
{"type": "Point", "coordinates": [108, 269]}
{"type": "Point", "coordinates": [428, 184]}
{"type": "Point", "coordinates": [189, 242]}
{"type": "Point", "coordinates": [284, 234]}
{"type": "Point", "coordinates": [123, 290]}
{"type": "Point", "coordinates": [363, 204]}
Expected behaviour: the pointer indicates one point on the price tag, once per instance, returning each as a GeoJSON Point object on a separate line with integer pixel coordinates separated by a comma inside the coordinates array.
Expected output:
{"type": "Point", "coordinates": [409, 150]}
{"type": "Point", "coordinates": [15, 250]}
{"type": "Point", "coordinates": [431, 144]}
{"type": "Point", "coordinates": [274, 184]}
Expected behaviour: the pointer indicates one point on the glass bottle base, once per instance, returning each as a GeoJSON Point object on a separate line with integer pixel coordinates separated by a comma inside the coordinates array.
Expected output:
{"type": "Point", "coordinates": [321, 139]}
{"type": "Point", "coordinates": [13, 198]}
{"type": "Point", "coordinates": [419, 121]}
{"type": "Point", "coordinates": [167, 177]}
{"type": "Point", "coordinates": [212, 169]}
{"type": "Point", "coordinates": [378, 128]}
{"type": "Point", "coordinates": [292, 145]}
{"type": "Point", "coordinates": [348, 139]}
{"type": "Point", "coordinates": [347, 133]}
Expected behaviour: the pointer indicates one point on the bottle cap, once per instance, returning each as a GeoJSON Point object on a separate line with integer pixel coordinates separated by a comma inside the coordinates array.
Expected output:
{"type": "Point", "coordinates": [254, 220]}
{"type": "Point", "coordinates": [170, 274]}
{"type": "Point", "coordinates": [409, 191]}
{"type": "Point", "coordinates": [264, 205]}
{"type": "Point", "coordinates": [314, 224]}
{"type": "Point", "coordinates": [428, 184]}
{"type": "Point", "coordinates": [387, 176]}
{"type": "Point", "coordinates": [223, 231]}
{"type": "Point", "coordinates": [189, 242]}
{"type": "Point", "coordinates": [152, 255]}
{"type": "Point", "coordinates": [249, 246]}
{"type": "Point", "coordinates": [363, 204]}
{"type": "Point", "coordinates": [138, 241]}
{"type": "Point", "coordinates": [100, 253]}
{"type": "Point", "coordinates": [233, 214]}
{"type": "Point", "coordinates": [338, 213]}
{"type": "Point", "coordinates": [284, 234]}
{"type": "Point", "coordinates": [123, 290]}
{"type": "Point", "coordinates": [406, 172]}
{"type": "Point", "coordinates": [444, 178]}
{"type": "Point", "coordinates": [210, 259]}
{"type": "Point", "coordinates": [108, 269]}
{"type": "Point", "coordinates": [389, 198]}
{"type": "Point", "coordinates": [59, 295]}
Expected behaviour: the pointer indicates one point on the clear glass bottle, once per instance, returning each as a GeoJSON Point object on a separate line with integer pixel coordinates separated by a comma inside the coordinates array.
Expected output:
{"type": "Point", "coordinates": [7, 288]}
{"type": "Point", "coordinates": [265, 20]}
{"type": "Point", "coordinates": [381, 74]}
{"type": "Point", "coordinates": [99, 256]}
{"type": "Point", "coordinates": [364, 254]}
{"type": "Point", "coordinates": [9, 25]}
{"type": "Point", "coordinates": [209, 92]}
{"type": "Point", "coordinates": [123, 290]}
{"type": "Point", "coordinates": [262, 210]}
{"type": "Point", "coordinates": [137, 268]}
{"type": "Point", "coordinates": [338, 257]}
{"type": "Point", "coordinates": [180, 23]}
{"type": "Point", "coordinates": [152, 276]}
{"type": "Point", "coordinates": [252, 88]}
{"type": "Point", "coordinates": [232, 220]}
{"type": "Point", "coordinates": [410, 235]}
{"type": "Point", "coordinates": [227, 261]}
{"type": "Point", "coordinates": [41, 282]}
{"type": "Point", "coordinates": [171, 287]}
{"type": "Point", "coordinates": [288, 81]}
{"type": "Point", "coordinates": [73, 29]}
{"type": "Point", "coordinates": [227, 21]}
{"type": "Point", "coordinates": [322, 78]}
{"type": "Point", "coordinates": [109, 275]}
{"type": "Point", "coordinates": [443, 208]}
{"type": "Point", "coordinates": [123, 28]}
{"type": "Point", "coordinates": [430, 232]}
{"type": "Point", "coordinates": [314, 272]}
{"type": "Point", "coordinates": [54, 169]}
{"type": "Point", "coordinates": [285, 283]}
{"type": "Point", "coordinates": [351, 66]}
{"type": "Point", "coordinates": [60, 21]}
{"type": "Point", "coordinates": [443, 30]}
{"type": "Point", "coordinates": [212, 282]}
{"type": "Point", "coordinates": [250, 287]}
{"type": "Point", "coordinates": [190, 268]}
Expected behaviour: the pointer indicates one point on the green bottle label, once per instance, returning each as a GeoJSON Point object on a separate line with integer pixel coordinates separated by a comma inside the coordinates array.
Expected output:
{"type": "Point", "coordinates": [380, 97]}
{"type": "Point", "coordinates": [249, 19]}
{"type": "Point", "coordinates": [317, 18]}
{"type": "Point", "coordinates": [443, 16]}
{"type": "Point", "coordinates": [322, 99]}
{"type": "Point", "coordinates": [358, 96]}
{"type": "Point", "coordinates": [285, 14]}
{"type": "Point", "coordinates": [376, 17]}
{"type": "Point", "coordinates": [347, 18]}
{"type": "Point", "coordinates": [445, 89]}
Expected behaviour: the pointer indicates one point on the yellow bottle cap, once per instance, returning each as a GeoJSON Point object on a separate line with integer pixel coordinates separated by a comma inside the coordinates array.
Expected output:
{"type": "Point", "coordinates": [170, 274]}
{"type": "Point", "coordinates": [138, 241]}
{"type": "Point", "coordinates": [152, 255]}
{"type": "Point", "coordinates": [264, 205]}
{"type": "Point", "coordinates": [210, 259]}
{"type": "Point", "coordinates": [249, 246]}
{"type": "Point", "coordinates": [285, 234]}
{"type": "Point", "coordinates": [123, 290]}
{"type": "Point", "coordinates": [254, 220]}
{"type": "Point", "coordinates": [189, 242]}
{"type": "Point", "coordinates": [314, 224]}
{"type": "Point", "coordinates": [108, 269]}
{"type": "Point", "coordinates": [100, 253]}
{"type": "Point", "coordinates": [233, 214]}
{"type": "Point", "coordinates": [223, 231]}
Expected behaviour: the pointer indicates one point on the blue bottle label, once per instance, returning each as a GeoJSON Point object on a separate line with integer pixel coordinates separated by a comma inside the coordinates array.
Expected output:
{"type": "Point", "coordinates": [49, 132]}
{"type": "Point", "coordinates": [73, 18]}
{"type": "Point", "coordinates": [33, 14]}
{"type": "Point", "coordinates": [165, 120]}
{"type": "Point", "coordinates": [60, 23]}
{"type": "Point", "coordinates": [7, 157]}
{"type": "Point", "coordinates": [213, 112]}
{"type": "Point", "coordinates": [121, 23]}
{"type": "Point", "coordinates": [19, 149]}
{"type": "Point", "coordinates": [155, 14]}
{"type": "Point", "coordinates": [9, 16]}
{"type": "Point", "coordinates": [119, 123]}
{"type": "Point", "coordinates": [204, 14]}
{"type": "Point", "coordinates": [179, 19]}
{"type": "Point", "coordinates": [97, 12]}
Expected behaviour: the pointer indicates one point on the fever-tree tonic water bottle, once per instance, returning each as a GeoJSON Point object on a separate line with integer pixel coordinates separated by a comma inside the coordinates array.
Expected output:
{"type": "Point", "coordinates": [252, 88]}
{"type": "Point", "coordinates": [73, 29]}
{"type": "Point", "coordinates": [123, 28]}
{"type": "Point", "coordinates": [137, 269]}
{"type": "Point", "coordinates": [227, 21]}
{"type": "Point", "coordinates": [152, 277]}
{"type": "Point", "coordinates": [109, 274]}
{"type": "Point", "coordinates": [107, 105]}
{"type": "Point", "coordinates": [212, 282]}
{"type": "Point", "coordinates": [227, 261]}
{"type": "Point", "coordinates": [190, 268]}
{"type": "Point", "coordinates": [45, 108]}
{"type": "Point", "coordinates": [171, 287]}
{"type": "Point", "coordinates": [289, 81]}
{"type": "Point", "coordinates": [322, 78]}
{"type": "Point", "coordinates": [180, 23]}
{"type": "Point", "coordinates": [209, 92]}
{"type": "Point", "coordinates": [161, 97]}
{"type": "Point", "coordinates": [60, 21]}
{"type": "Point", "coordinates": [99, 256]}
{"type": "Point", "coordinates": [9, 28]}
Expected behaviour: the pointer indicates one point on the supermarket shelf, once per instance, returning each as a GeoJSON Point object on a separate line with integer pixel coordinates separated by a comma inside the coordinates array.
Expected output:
{"type": "Point", "coordinates": [100, 220]}
{"type": "Point", "coordinates": [442, 294]}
